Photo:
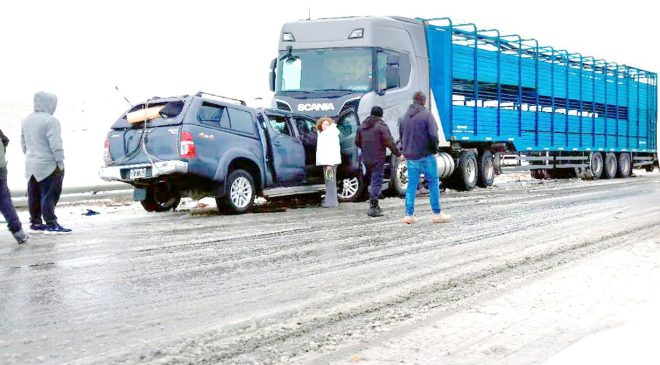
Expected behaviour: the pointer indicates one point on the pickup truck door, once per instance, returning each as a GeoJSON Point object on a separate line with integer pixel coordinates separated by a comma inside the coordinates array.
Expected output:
{"type": "Point", "coordinates": [288, 152]}
{"type": "Point", "coordinates": [348, 125]}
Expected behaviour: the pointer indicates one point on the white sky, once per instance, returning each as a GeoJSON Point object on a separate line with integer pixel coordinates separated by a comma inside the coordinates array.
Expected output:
{"type": "Point", "coordinates": [81, 49]}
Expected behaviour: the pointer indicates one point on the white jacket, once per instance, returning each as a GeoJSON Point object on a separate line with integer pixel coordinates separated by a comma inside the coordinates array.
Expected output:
{"type": "Point", "coordinates": [328, 152]}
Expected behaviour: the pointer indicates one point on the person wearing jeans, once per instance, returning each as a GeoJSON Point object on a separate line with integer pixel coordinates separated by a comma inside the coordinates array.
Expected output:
{"type": "Point", "coordinates": [419, 141]}
{"type": "Point", "coordinates": [6, 206]}
{"type": "Point", "coordinates": [41, 139]}
{"type": "Point", "coordinates": [429, 167]}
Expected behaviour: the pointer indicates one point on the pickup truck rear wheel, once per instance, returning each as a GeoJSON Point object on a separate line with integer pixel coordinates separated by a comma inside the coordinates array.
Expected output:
{"type": "Point", "coordinates": [161, 198]}
{"type": "Point", "coordinates": [240, 193]}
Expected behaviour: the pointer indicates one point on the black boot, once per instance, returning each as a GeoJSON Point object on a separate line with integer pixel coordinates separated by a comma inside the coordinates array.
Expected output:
{"type": "Point", "coordinates": [374, 209]}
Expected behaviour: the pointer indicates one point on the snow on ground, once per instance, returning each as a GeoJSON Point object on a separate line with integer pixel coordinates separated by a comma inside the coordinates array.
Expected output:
{"type": "Point", "coordinates": [527, 272]}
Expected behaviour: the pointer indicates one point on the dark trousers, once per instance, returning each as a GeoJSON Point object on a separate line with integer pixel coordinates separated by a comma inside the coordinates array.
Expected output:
{"type": "Point", "coordinates": [330, 177]}
{"type": "Point", "coordinates": [43, 197]}
{"type": "Point", "coordinates": [375, 173]}
{"type": "Point", "coordinates": [7, 207]}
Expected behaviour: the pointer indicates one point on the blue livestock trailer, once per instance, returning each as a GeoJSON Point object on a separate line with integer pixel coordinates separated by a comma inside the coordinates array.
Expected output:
{"type": "Point", "coordinates": [544, 101]}
{"type": "Point", "coordinates": [501, 101]}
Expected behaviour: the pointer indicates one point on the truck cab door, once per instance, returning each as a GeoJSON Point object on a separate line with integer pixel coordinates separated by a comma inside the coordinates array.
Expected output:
{"type": "Point", "coordinates": [288, 152]}
{"type": "Point", "coordinates": [348, 125]}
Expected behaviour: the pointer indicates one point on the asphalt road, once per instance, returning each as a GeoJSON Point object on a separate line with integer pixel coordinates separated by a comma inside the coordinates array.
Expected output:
{"type": "Point", "coordinates": [306, 285]}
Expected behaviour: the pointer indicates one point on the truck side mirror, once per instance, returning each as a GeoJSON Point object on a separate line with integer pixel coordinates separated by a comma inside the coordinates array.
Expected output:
{"type": "Point", "coordinates": [273, 68]}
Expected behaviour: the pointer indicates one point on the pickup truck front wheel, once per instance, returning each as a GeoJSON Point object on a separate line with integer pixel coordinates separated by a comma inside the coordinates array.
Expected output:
{"type": "Point", "coordinates": [351, 189]}
{"type": "Point", "coordinates": [240, 193]}
{"type": "Point", "coordinates": [161, 198]}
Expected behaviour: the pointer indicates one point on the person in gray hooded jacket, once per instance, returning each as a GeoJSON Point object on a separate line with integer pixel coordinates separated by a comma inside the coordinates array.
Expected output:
{"type": "Point", "coordinates": [41, 139]}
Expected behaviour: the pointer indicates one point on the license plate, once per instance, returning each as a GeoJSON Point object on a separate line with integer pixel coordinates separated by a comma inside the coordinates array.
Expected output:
{"type": "Point", "coordinates": [139, 194]}
{"type": "Point", "coordinates": [137, 173]}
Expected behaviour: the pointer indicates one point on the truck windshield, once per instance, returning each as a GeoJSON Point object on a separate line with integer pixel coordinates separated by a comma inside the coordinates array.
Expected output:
{"type": "Point", "coordinates": [327, 69]}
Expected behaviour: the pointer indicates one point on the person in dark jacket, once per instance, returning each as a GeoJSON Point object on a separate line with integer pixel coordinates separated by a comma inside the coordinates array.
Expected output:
{"type": "Point", "coordinates": [419, 141]}
{"type": "Point", "coordinates": [6, 206]}
{"type": "Point", "coordinates": [372, 138]}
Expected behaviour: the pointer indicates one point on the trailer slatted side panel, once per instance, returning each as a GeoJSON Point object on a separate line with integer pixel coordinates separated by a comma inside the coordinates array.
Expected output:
{"type": "Point", "coordinates": [507, 89]}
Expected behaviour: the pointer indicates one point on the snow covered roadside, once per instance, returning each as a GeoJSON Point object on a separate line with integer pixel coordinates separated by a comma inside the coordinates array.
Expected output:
{"type": "Point", "coordinates": [84, 129]}
{"type": "Point", "coordinates": [599, 310]}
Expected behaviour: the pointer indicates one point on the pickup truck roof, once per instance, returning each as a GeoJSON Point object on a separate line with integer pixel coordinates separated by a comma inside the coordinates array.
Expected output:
{"type": "Point", "coordinates": [175, 108]}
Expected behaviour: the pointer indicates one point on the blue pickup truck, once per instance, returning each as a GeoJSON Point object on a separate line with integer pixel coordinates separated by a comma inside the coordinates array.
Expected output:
{"type": "Point", "coordinates": [207, 145]}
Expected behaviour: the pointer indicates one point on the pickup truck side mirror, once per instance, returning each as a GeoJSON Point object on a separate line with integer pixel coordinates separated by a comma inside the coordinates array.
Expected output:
{"type": "Point", "coordinates": [273, 68]}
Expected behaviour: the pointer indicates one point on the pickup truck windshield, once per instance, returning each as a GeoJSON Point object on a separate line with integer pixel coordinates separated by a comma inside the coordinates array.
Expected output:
{"type": "Point", "coordinates": [326, 69]}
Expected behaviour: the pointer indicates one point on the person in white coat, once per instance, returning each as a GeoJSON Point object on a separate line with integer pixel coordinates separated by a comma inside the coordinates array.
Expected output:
{"type": "Point", "coordinates": [328, 155]}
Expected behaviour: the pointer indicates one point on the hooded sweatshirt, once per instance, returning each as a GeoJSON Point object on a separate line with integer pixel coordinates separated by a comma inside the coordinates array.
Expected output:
{"type": "Point", "coordinates": [419, 133]}
{"type": "Point", "coordinates": [372, 138]}
{"type": "Point", "coordinates": [41, 138]}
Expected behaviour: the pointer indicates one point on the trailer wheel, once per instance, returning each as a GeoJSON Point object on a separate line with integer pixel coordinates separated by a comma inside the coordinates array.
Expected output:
{"type": "Point", "coordinates": [161, 198]}
{"type": "Point", "coordinates": [595, 165]}
{"type": "Point", "coordinates": [535, 174]}
{"type": "Point", "coordinates": [467, 172]}
{"type": "Point", "coordinates": [610, 166]}
{"type": "Point", "coordinates": [562, 173]}
{"type": "Point", "coordinates": [554, 173]}
{"type": "Point", "coordinates": [623, 165]}
{"type": "Point", "coordinates": [239, 195]}
{"type": "Point", "coordinates": [486, 170]}
{"type": "Point", "coordinates": [545, 174]}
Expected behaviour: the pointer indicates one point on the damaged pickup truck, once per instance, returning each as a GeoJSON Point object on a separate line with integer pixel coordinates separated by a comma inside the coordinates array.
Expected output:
{"type": "Point", "coordinates": [207, 145]}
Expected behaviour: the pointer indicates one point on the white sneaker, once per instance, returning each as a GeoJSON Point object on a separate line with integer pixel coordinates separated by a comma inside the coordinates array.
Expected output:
{"type": "Point", "coordinates": [409, 219]}
{"type": "Point", "coordinates": [440, 218]}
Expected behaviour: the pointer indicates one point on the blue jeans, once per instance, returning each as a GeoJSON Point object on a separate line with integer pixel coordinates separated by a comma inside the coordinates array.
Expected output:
{"type": "Point", "coordinates": [7, 207]}
{"type": "Point", "coordinates": [43, 197]}
{"type": "Point", "coordinates": [429, 166]}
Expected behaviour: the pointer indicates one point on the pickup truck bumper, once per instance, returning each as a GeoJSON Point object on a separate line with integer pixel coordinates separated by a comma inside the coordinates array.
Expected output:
{"type": "Point", "coordinates": [160, 168]}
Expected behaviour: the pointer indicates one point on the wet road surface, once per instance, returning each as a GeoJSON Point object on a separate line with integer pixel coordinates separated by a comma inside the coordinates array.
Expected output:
{"type": "Point", "coordinates": [299, 286]}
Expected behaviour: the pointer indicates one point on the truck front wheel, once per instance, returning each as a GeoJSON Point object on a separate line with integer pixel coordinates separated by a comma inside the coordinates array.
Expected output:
{"type": "Point", "coordinates": [239, 194]}
{"type": "Point", "coordinates": [399, 177]}
{"type": "Point", "coordinates": [161, 198]}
